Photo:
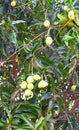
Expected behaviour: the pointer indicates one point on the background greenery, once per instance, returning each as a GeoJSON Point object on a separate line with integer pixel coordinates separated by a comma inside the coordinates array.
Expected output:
{"type": "Point", "coordinates": [23, 52]}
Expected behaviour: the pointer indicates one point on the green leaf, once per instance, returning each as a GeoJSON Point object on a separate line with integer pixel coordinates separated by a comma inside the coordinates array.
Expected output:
{"type": "Point", "coordinates": [18, 21]}
{"type": "Point", "coordinates": [2, 22]}
{"type": "Point", "coordinates": [70, 1]}
{"type": "Point", "coordinates": [39, 122]}
{"type": "Point", "coordinates": [67, 38]}
{"type": "Point", "coordinates": [25, 119]}
{"type": "Point", "coordinates": [2, 124]}
{"type": "Point", "coordinates": [6, 109]}
{"type": "Point", "coordinates": [11, 35]}
{"type": "Point", "coordinates": [63, 18]}
{"type": "Point", "coordinates": [51, 104]}
{"type": "Point", "coordinates": [35, 47]}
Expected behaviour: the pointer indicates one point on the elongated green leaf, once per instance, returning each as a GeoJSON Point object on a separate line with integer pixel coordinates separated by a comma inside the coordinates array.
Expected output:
{"type": "Point", "coordinates": [39, 123]}
{"type": "Point", "coordinates": [18, 21]}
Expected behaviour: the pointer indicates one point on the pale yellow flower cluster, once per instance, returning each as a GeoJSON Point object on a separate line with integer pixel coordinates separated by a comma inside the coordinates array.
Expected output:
{"type": "Point", "coordinates": [28, 85]}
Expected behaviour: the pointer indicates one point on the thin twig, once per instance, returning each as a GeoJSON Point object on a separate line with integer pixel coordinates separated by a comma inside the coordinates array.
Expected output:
{"type": "Point", "coordinates": [61, 29]}
{"type": "Point", "coordinates": [23, 47]}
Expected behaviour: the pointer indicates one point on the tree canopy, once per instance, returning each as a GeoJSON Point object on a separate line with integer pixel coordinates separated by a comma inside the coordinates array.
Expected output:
{"type": "Point", "coordinates": [39, 64]}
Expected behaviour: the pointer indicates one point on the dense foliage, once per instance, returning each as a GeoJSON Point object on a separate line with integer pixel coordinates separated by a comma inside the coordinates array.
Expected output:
{"type": "Point", "coordinates": [39, 77]}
